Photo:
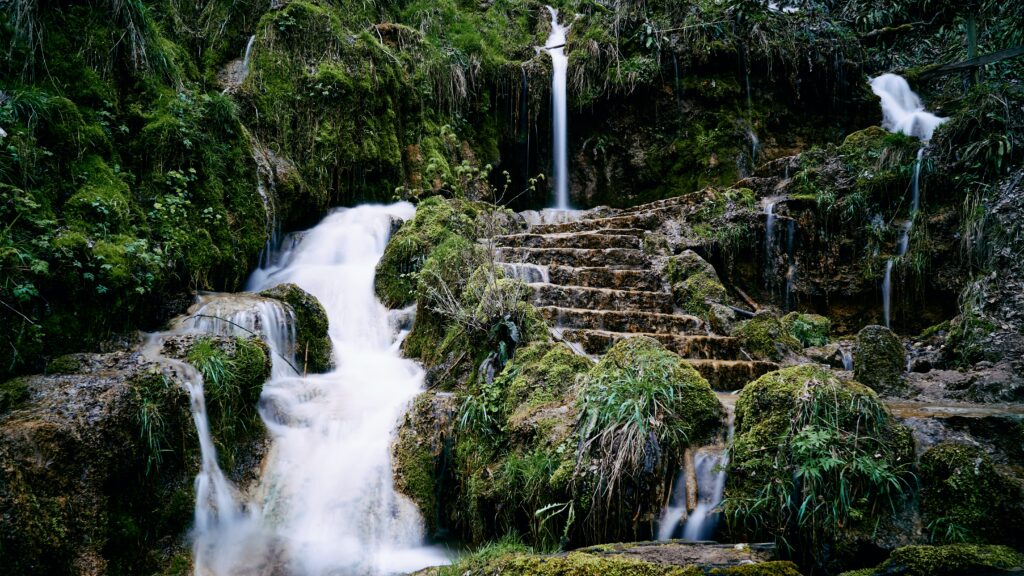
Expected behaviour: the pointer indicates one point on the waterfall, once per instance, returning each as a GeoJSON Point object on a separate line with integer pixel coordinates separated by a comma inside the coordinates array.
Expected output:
{"type": "Point", "coordinates": [699, 504]}
{"type": "Point", "coordinates": [887, 293]}
{"type": "Point", "coordinates": [245, 58]}
{"type": "Point", "coordinates": [769, 241]}
{"type": "Point", "coordinates": [903, 245]}
{"type": "Point", "coordinates": [902, 110]}
{"type": "Point", "coordinates": [555, 46]}
{"type": "Point", "coordinates": [791, 258]}
{"type": "Point", "coordinates": [327, 489]}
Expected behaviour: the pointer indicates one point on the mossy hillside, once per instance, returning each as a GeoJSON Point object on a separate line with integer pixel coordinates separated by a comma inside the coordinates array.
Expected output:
{"type": "Point", "coordinates": [950, 560]}
{"type": "Point", "coordinates": [312, 343]}
{"type": "Point", "coordinates": [967, 497]}
{"type": "Point", "coordinates": [127, 182]}
{"type": "Point", "coordinates": [814, 460]}
{"type": "Point", "coordinates": [437, 219]}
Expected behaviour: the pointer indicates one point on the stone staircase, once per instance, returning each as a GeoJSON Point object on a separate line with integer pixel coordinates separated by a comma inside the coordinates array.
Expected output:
{"type": "Point", "coordinates": [595, 285]}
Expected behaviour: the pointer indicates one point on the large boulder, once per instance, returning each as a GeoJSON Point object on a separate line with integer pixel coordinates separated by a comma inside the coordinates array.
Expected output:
{"type": "Point", "coordinates": [952, 560]}
{"type": "Point", "coordinates": [879, 360]}
{"type": "Point", "coordinates": [816, 462]}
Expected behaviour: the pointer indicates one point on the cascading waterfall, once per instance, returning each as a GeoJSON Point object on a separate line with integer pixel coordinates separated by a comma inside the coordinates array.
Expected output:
{"type": "Point", "coordinates": [699, 504]}
{"type": "Point", "coordinates": [555, 46]}
{"type": "Point", "coordinates": [903, 112]}
{"type": "Point", "coordinates": [325, 504]}
{"type": "Point", "coordinates": [769, 240]}
{"type": "Point", "coordinates": [327, 493]}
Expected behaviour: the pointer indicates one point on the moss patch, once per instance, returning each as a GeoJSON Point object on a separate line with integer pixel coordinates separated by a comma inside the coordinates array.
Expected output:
{"type": "Point", "coordinates": [312, 343]}
{"type": "Point", "coordinates": [764, 337]}
{"type": "Point", "coordinates": [809, 329]}
{"type": "Point", "coordinates": [949, 560]}
{"type": "Point", "coordinates": [879, 360]}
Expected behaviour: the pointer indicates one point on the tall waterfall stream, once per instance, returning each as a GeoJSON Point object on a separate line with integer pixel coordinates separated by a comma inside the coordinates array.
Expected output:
{"type": "Point", "coordinates": [325, 503]}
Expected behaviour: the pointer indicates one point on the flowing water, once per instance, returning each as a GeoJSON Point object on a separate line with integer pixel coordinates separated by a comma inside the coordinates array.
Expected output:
{"type": "Point", "coordinates": [555, 46]}
{"type": "Point", "coordinates": [698, 504]}
{"type": "Point", "coordinates": [325, 504]}
{"type": "Point", "coordinates": [902, 110]}
{"type": "Point", "coordinates": [769, 240]}
{"type": "Point", "coordinates": [903, 245]}
{"type": "Point", "coordinates": [246, 58]}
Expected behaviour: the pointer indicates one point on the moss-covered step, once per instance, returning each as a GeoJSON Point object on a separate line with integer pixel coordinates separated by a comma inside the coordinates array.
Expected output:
{"type": "Point", "coordinates": [601, 298]}
{"type": "Point", "coordinates": [625, 238]}
{"type": "Point", "coordinates": [603, 277]}
{"type": "Point", "coordinates": [621, 321]}
{"type": "Point", "coordinates": [697, 346]}
{"type": "Point", "coordinates": [608, 257]}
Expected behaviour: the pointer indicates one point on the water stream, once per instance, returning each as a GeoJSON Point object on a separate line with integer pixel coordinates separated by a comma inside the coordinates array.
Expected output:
{"type": "Point", "coordinates": [325, 503]}
{"type": "Point", "coordinates": [555, 46]}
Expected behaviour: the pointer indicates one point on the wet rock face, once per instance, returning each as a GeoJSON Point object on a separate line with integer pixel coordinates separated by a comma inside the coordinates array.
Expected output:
{"type": "Point", "coordinates": [92, 468]}
{"type": "Point", "coordinates": [312, 344]}
{"type": "Point", "coordinates": [879, 360]}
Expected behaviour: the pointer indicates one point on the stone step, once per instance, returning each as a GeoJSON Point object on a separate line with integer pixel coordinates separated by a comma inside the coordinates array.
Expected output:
{"type": "Point", "coordinates": [601, 298]}
{"type": "Point", "coordinates": [631, 238]}
{"type": "Point", "coordinates": [621, 257]}
{"type": "Point", "coordinates": [601, 277]}
{"type": "Point", "coordinates": [697, 347]}
{"type": "Point", "coordinates": [621, 321]}
{"type": "Point", "coordinates": [732, 374]}
{"type": "Point", "coordinates": [646, 220]}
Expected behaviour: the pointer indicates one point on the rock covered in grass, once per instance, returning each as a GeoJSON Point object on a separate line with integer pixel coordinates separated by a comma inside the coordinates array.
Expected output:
{"type": "Point", "coordinates": [951, 560]}
{"type": "Point", "coordinates": [812, 453]}
{"type": "Point", "coordinates": [809, 329]}
{"type": "Point", "coordinates": [966, 496]}
{"type": "Point", "coordinates": [312, 344]}
{"type": "Point", "coordinates": [764, 337]}
{"type": "Point", "coordinates": [879, 360]}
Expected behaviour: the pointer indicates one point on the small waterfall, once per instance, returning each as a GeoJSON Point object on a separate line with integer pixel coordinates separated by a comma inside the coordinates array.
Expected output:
{"type": "Point", "coordinates": [791, 258]}
{"type": "Point", "coordinates": [902, 110]}
{"type": "Point", "coordinates": [246, 57]}
{"type": "Point", "coordinates": [847, 355]}
{"type": "Point", "coordinates": [529, 273]}
{"type": "Point", "coordinates": [769, 240]}
{"type": "Point", "coordinates": [555, 46]}
{"type": "Point", "coordinates": [698, 504]}
{"type": "Point", "coordinates": [904, 242]}
{"type": "Point", "coordinates": [887, 293]}
{"type": "Point", "coordinates": [915, 186]}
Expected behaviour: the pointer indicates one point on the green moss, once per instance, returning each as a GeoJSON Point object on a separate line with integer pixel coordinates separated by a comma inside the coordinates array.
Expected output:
{"type": "Point", "coordinates": [879, 360]}
{"type": "Point", "coordinates": [809, 329]}
{"type": "Point", "coordinates": [578, 564]}
{"type": "Point", "coordinates": [775, 568]}
{"type": "Point", "coordinates": [950, 560]}
{"type": "Point", "coordinates": [966, 497]}
{"type": "Point", "coordinates": [418, 454]}
{"type": "Point", "coordinates": [13, 393]}
{"type": "Point", "coordinates": [812, 448]}
{"type": "Point", "coordinates": [764, 336]}
{"type": "Point", "coordinates": [312, 343]}
{"type": "Point", "coordinates": [101, 204]}
{"type": "Point", "coordinates": [540, 372]}
{"type": "Point", "coordinates": [67, 364]}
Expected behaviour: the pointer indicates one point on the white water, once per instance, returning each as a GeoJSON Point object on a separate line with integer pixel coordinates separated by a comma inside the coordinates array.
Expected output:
{"type": "Point", "coordinates": [529, 273]}
{"type": "Point", "coordinates": [325, 504]}
{"type": "Point", "coordinates": [555, 46]}
{"type": "Point", "coordinates": [902, 110]}
{"type": "Point", "coordinates": [245, 58]}
{"type": "Point", "coordinates": [904, 242]}
{"type": "Point", "coordinates": [709, 464]}
{"type": "Point", "coordinates": [769, 240]}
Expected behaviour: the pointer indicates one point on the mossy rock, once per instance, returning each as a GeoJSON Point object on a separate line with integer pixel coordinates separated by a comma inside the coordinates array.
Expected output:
{"type": "Point", "coordinates": [418, 454]}
{"type": "Point", "coordinates": [437, 219]}
{"type": "Point", "coordinates": [541, 372]}
{"type": "Point", "coordinates": [773, 568]}
{"type": "Point", "coordinates": [313, 351]}
{"type": "Point", "coordinates": [964, 495]}
{"type": "Point", "coordinates": [951, 560]}
{"type": "Point", "coordinates": [809, 329]}
{"type": "Point", "coordinates": [879, 360]}
{"type": "Point", "coordinates": [787, 423]}
{"type": "Point", "coordinates": [695, 283]}
{"type": "Point", "coordinates": [579, 564]}
{"type": "Point", "coordinates": [640, 407]}
{"type": "Point", "coordinates": [13, 393]}
{"type": "Point", "coordinates": [764, 337]}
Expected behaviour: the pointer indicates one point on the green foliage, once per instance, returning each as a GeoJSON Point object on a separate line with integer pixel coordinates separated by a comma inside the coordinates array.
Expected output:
{"type": "Point", "coordinates": [813, 457]}
{"type": "Point", "coordinates": [640, 407]}
{"type": "Point", "coordinates": [809, 329]}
